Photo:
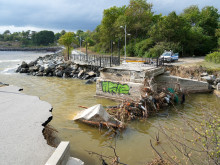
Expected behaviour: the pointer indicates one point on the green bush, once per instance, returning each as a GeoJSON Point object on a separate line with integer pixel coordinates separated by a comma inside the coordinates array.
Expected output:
{"type": "Point", "coordinates": [141, 47]}
{"type": "Point", "coordinates": [156, 51]}
{"type": "Point", "coordinates": [129, 50]}
{"type": "Point", "coordinates": [213, 57]}
{"type": "Point", "coordinates": [159, 48]}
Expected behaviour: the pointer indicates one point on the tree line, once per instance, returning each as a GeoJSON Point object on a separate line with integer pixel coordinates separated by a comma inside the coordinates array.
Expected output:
{"type": "Point", "coordinates": [31, 38]}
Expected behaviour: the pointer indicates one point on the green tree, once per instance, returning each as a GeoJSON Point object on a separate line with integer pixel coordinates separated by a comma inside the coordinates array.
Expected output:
{"type": "Point", "coordinates": [66, 40]}
{"type": "Point", "coordinates": [57, 36]}
{"type": "Point", "coordinates": [209, 20]}
{"type": "Point", "coordinates": [192, 15]}
{"type": "Point", "coordinates": [7, 32]}
{"type": "Point", "coordinates": [107, 29]}
{"type": "Point", "coordinates": [43, 38]}
{"type": "Point", "coordinates": [139, 17]}
{"type": "Point", "coordinates": [62, 32]}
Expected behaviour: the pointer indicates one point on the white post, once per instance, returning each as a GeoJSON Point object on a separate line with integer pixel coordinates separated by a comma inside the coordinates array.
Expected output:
{"type": "Point", "coordinates": [80, 43]}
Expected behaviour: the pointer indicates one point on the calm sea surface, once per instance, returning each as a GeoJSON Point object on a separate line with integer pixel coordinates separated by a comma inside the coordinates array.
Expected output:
{"type": "Point", "coordinates": [65, 95]}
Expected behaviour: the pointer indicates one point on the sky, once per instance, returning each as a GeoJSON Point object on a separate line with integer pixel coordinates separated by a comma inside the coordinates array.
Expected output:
{"type": "Point", "coordinates": [72, 15]}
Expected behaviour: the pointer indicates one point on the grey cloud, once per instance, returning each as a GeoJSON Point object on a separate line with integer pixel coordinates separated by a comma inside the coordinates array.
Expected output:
{"type": "Point", "coordinates": [67, 14]}
{"type": "Point", "coordinates": [76, 14]}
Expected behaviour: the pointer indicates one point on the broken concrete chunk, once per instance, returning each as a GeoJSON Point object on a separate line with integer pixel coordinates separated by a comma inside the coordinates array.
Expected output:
{"type": "Point", "coordinates": [80, 73]}
{"type": "Point", "coordinates": [204, 74]}
{"type": "Point", "coordinates": [91, 73]}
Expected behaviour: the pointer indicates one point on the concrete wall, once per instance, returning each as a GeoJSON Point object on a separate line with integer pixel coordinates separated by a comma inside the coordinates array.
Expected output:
{"type": "Point", "coordinates": [125, 75]}
{"type": "Point", "coordinates": [118, 89]}
{"type": "Point", "coordinates": [124, 83]}
{"type": "Point", "coordinates": [60, 155]}
{"type": "Point", "coordinates": [189, 85]}
{"type": "Point", "coordinates": [122, 75]}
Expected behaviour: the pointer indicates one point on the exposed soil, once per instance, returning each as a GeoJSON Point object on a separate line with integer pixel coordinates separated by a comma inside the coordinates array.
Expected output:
{"type": "Point", "coordinates": [193, 72]}
{"type": "Point", "coordinates": [50, 135]}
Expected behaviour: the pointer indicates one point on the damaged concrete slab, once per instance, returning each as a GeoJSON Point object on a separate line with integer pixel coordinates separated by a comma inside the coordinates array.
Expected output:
{"type": "Point", "coordinates": [185, 84]}
{"type": "Point", "coordinates": [125, 81]}
{"type": "Point", "coordinates": [21, 119]}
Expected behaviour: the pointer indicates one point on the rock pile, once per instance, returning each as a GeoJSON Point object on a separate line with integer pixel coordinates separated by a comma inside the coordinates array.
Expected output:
{"type": "Point", "coordinates": [54, 65]}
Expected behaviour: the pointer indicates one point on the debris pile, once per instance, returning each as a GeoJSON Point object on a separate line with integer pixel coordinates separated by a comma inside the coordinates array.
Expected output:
{"type": "Point", "coordinates": [149, 103]}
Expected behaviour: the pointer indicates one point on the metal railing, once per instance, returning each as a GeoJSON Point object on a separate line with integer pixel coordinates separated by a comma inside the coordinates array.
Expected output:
{"type": "Point", "coordinates": [155, 61]}
{"type": "Point", "coordinates": [109, 61]}
{"type": "Point", "coordinates": [97, 60]}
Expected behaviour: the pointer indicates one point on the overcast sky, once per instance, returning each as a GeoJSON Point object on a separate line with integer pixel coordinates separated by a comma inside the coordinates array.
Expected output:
{"type": "Point", "coordinates": [71, 15]}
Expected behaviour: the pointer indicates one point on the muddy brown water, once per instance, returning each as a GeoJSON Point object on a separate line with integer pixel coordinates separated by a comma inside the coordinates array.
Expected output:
{"type": "Point", "coordinates": [65, 95]}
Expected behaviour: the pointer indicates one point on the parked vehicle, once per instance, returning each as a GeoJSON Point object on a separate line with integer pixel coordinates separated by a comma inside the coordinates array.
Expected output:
{"type": "Point", "coordinates": [169, 56]}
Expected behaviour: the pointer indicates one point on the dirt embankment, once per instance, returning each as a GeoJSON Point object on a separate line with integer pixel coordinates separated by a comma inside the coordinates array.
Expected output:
{"type": "Point", "coordinates": [193, 72]}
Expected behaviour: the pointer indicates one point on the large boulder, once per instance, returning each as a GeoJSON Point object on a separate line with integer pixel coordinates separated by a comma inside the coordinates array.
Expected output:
{"type": "Point", "coordinates": [24, 70]}
{"type": "Point", "coordinates": [24, 65]}
{"type": "Point", "coordinates": [89, 81]}
{"type": "Point", "coordinates": [41, 69]}
{"type": "Point", "coordinates": [62, 66]}
{"type": "Point", "coordinates": [59, 73]}
{"type": "Point", "coordinates": [33, 69]}
{"type": "Point", "coordinates": [52, 66]}
{"type": "Point", "coordinates": [68, 72]}
{"type": "Point", "coordinates": [39, 74]}
{"type": "Point", "coordinates": [210, 79]}
{"type": "Point", "coordinates": [217, 80]}
{"type": "Point", "coordinates": [32, 63]}
{"type": "Point", "coordinates": [18, 69]}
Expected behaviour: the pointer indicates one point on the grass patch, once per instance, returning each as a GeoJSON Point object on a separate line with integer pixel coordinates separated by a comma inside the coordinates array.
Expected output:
{"type": "Point", "coordinates": [213, 57]}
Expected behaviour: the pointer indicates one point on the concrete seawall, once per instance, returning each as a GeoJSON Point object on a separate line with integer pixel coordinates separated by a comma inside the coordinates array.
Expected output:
{"type": "Point", "coordinates": [188, 85]}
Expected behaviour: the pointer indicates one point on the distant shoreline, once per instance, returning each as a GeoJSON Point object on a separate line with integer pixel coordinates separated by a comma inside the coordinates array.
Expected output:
{"type": "Point", "coordinates": [49, 49]}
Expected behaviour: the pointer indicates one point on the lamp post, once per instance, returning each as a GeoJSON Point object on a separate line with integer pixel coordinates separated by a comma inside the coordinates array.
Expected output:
{"type": "Point", "coordinates": [119, 51]}
{"type": "Point", "coordinates": [124, 27]}
{"type": "Point", "coordinates": [80, 41]}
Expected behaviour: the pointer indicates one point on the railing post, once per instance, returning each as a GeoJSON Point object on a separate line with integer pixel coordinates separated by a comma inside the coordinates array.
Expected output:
{"type": "Point", "coordinates": [110, 61]}
{"type": "Point", "coordinates": [157, 61]}
{"type": "Point", "coordinates": [100, 60]}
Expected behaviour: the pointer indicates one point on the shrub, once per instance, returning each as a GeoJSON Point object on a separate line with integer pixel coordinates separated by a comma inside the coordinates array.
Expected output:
{"type": "Point", "coordinates": [159, 48]}
{"type": "Point", "coordinates": [213, 57]}
{"type": "Point", "coordinates": [141, 47]}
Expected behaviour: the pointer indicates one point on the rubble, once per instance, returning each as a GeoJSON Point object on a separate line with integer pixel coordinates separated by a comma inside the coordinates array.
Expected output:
{"type": "Point", "coordinates": [150, 103]}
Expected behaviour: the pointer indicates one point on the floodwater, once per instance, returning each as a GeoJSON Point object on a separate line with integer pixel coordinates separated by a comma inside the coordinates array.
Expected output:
{"type": "Point", "coordinates": [66, 95]}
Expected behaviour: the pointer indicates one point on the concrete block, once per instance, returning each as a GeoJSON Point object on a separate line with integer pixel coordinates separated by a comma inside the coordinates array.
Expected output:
{"type": "Point", "coordinates": [189, 85]}
{"type": "Point", "coordinates": [118, 89]}
{"type": "Point", "coordinates": [61, 155]}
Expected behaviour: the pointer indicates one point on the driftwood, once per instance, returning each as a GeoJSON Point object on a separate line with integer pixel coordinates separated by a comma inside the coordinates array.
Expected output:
{"type": "Point", "coordinates": [104, 124]}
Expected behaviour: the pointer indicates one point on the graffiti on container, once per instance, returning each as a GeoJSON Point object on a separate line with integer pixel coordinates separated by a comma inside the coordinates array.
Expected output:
{"type": "Point", "coordinates": [115, 88]}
